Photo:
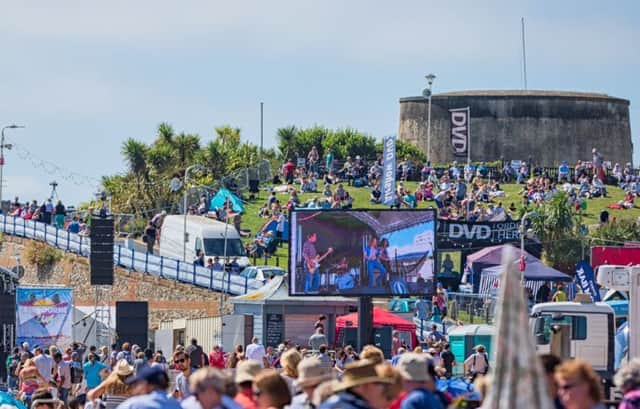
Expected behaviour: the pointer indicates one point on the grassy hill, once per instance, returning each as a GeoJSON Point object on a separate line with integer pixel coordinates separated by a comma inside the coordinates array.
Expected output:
{"type": "Point", "coordinates": [252, 221]}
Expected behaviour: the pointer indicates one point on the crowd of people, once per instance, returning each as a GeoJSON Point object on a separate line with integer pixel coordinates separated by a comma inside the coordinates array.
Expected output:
{"type": "Point", "coordinates": [470, 192]}
{"type": "Point", "coordinates": [290, 376]}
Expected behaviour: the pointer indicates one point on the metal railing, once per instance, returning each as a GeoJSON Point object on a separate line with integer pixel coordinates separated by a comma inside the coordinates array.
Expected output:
{"type": "Point", "coordinates": [164, 267]}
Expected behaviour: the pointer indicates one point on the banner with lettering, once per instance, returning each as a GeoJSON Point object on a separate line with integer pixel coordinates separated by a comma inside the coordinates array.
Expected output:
{"type": "Point", "coordinates": [389, 171]}
{"type": "Point", "coordinates": [460, 131]}
{"type": "Point", "coordinates": [586, 280]}
{"type": "Point", "coordinates": [460, 233]}
{"type": "Point", "coordinates": [44, 316]}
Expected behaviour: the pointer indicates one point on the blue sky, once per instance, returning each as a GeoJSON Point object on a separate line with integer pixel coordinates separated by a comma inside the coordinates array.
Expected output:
{"type": "Point", "coordinates": [83, 76]}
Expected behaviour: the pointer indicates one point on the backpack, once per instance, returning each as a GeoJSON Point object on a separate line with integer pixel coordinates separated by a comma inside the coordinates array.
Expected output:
{"type": "Point", "coordinates": [484, 355]}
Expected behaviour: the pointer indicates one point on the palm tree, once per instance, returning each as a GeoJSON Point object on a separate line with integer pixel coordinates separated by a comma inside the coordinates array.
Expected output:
{"type": "Point", "coordinates": [286, 139]}
{"type": "Point", "coordinates": [186, 147]}
{"type": "Point", "coordinates": [165, 133]}
{"type": "Point", "coordinates": [135, 154]}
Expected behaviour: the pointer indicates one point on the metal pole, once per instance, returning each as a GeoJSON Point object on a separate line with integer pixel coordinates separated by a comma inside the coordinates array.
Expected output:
{"type": "Point", "coordinates": [261, 129]}
{"type": "Point", "coordinates": [524, 55]}
{"type": "Point", "coordinates": [184, 209]}
{"type": "Point", "coordinates": [468, 135]}
{"type": "Point", "coordinates": [429, 129]}
{"type": "Point", "coordinates": [2, 146]}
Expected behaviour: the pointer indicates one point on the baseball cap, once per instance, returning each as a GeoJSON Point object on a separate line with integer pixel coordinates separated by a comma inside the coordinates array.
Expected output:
{"type": "Point", "coordinates": [151, 374]}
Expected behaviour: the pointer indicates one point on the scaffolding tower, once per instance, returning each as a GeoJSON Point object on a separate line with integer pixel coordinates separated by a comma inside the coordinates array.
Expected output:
{"type": "Point", "coordinates": [104, 334]}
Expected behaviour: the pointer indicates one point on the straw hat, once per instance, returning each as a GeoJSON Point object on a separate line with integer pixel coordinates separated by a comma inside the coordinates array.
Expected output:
{"type": "Point", "coordinates": [414, 367]}
{"type": "Point", "coordinates": [359, 373]}
{"type": "Point", "coordinates": [247, 370]}
{"type": "Point", "coordinates": [312, 372]}
{"type": "Point", "coordinates": [123, 368]}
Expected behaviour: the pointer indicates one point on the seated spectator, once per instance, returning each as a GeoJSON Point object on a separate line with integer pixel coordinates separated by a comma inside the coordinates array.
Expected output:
{"type": "Point", "coordinates": [340, 194]}
{"type": "Point", "coordinates": [410, 200]}
{"type": "Point", "coordinates": [616, 172]}
{"type": "Point", "coordinates": [376, 194]}
{"type": "Point", "coordinates": [627, 202]}
{"type": "Point", "coordinates": [563, 171]}
{"type": "Point", "coordinates": [327, 190]}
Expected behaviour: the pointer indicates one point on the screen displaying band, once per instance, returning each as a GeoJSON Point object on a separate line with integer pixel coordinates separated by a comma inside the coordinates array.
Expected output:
{"type": "Point", "coordinates": [362, 252]}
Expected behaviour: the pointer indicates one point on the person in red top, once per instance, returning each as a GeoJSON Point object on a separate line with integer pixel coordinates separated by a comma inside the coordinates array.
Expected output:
{"type": "Point", "coordinates": [395, 343]}
{"type": "Point", "coordinates": [289, 170]}
{"type": "Point", "coordinates": [245, 372]}
{"type": "Point", "coordinates": [216, 357]}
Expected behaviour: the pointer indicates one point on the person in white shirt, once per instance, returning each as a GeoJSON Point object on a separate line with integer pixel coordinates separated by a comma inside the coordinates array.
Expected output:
{"type": "Point", "coordinates": [477, 363]}
{"type": "Point", "coordinates": [255, 351]}
{"type": "Point", "coordinates": [44, 364]}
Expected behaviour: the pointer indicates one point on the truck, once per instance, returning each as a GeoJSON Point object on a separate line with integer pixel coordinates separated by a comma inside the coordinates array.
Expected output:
{"type": "Point", "coordinates": [587, 330]}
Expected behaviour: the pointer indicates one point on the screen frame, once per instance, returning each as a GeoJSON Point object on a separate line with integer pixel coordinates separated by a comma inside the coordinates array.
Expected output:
{"type": "Point", "coordinates": [291, 277]}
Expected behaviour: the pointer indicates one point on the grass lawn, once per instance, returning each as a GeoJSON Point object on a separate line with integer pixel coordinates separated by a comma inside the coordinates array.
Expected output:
{"type": "Point", "coordinates": [361, 200]}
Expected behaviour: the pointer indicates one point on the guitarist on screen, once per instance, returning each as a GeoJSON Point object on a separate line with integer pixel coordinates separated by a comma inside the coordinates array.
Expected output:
{"type": "Point", "coordinates": [312, 263]}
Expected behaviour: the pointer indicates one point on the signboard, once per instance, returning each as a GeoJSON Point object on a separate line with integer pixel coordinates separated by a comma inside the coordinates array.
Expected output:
{"type": "Point", "coordinates": [275, 330]}
{"type": "Point", "coordinates": [460, 130]}
{"type": "Point", "coordinates": [389, 171]}
{"type": "Point", "coordinates": [301, 162]}
{"type": "Point", "coordinates": [621, 256]}
{"type": "Point", "coordinates": [44, 316]}
{"type": "Point", "coordinates": [457, 233]}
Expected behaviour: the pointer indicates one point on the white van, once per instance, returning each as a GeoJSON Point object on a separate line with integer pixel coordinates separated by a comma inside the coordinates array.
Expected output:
{"type": "Point", "coordinates": [202, 234]}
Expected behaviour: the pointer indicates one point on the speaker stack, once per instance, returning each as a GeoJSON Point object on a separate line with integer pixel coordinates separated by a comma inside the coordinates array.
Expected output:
{"type": "Point", "coordinates": [101, 258]}
{"type": "Point", "coordinates": [8, 284]}
{"type": "Point", "coordinates": [132, 322]}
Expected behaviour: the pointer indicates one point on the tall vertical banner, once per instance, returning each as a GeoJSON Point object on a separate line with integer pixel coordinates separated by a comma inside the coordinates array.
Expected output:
{"type": "Point", "coordinates": [585, 278]}
{"type": "Point", "coordinates": [44, 316]}
{"type": "Point", "coordinates": [389, 171]}
{"type": "Point", "coordinates": [460, 131]}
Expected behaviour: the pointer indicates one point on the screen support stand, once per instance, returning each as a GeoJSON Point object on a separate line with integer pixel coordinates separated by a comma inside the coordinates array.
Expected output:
{"type": "Point", "coordinates": [365, 322]}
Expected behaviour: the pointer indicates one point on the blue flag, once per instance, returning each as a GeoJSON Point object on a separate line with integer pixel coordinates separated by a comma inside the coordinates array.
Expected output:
{"type": "Point", "coordinates": [389, 171]}
{"type": "Point", "coordinates": [585, 278]}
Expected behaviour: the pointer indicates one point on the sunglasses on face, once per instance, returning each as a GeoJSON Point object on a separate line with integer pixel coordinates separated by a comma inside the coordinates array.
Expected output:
{"type": "Point", "coordinates": [568, 386]}
{"type": "Point", "coordinates": [181, 360]}
{"type": "Point", "coordinates": [257, 393]}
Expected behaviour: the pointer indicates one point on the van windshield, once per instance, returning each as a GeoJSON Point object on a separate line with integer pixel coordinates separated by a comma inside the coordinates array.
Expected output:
{"type": "Point", "coordinates": [215, 247]}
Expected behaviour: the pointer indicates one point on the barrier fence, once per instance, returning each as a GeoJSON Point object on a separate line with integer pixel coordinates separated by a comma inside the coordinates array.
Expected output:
{"type": "Point", "coordinates": [159, 266]}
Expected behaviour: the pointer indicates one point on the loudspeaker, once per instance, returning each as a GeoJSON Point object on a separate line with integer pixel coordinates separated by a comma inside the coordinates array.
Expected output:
{"type": "Point", "coordinates": [350, 337]}
{"type": "Point", "coordinates": [382, 339]}
{"type": "Point", "coordinates": [101, 251]}
{"type": "Point", "coordinates": [132, 322]}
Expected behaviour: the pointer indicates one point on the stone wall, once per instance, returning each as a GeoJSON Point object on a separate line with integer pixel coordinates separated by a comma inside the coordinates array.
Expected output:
{"type": "Point", "coordinates": [167, 299]}
{"type": "Point", "coordinates": [546, 126]}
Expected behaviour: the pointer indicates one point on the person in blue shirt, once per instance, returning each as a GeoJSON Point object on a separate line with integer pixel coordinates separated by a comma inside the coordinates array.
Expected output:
{"type": "Point", "coordinates": [563, 171]}
{"type": "Point", "coordinates": [420, 387]}
{"type": "Point", "coordinates": [149, 387]}
{"type": "Point", "coordinates": [92, 370]}
{"type": "Point", "coordinates": [74, 225]}
{"type": "Point", "coordinates": [371, 254]}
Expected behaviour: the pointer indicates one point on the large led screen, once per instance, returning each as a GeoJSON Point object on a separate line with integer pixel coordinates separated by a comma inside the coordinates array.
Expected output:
{"type": "Point", "coordinates": [362, 252]}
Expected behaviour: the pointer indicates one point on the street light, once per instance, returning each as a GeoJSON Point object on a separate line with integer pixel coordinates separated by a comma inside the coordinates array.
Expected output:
{"type": "Point", "coordinates": [427, 92]}
{"type": "Point", "coordinates": [184, 207]}
{"type": "Point", "coordinates": [8, 146]}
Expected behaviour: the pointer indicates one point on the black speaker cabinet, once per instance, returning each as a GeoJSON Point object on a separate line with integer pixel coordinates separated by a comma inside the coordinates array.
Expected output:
{"type": "Point", "coordinates": [101, 251]}
{"type": "Point", "coordinates": [132, 322]}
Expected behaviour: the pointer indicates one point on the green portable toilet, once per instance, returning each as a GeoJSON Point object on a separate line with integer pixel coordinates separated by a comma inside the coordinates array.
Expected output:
{"type": "Point", "coordinates": [462, 340]}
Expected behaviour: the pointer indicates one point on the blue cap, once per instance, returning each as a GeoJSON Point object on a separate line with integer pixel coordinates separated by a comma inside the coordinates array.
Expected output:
{"type": "Point", "coordinates": [153, 375]}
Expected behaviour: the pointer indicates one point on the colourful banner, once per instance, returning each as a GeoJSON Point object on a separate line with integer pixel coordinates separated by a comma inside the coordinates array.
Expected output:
{"type": "Point", "coordinates": [389, 171]}
{"type": "Point", "coordinates": [44, 316]}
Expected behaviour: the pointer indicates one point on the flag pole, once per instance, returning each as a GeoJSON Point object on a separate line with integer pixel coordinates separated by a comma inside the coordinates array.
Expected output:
{"type": "Point", "coordinates": [468, 135]}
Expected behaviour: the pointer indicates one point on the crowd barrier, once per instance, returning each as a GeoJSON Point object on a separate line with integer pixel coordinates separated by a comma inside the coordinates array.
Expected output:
{"type": "Point", "coordinates": [164, 267]}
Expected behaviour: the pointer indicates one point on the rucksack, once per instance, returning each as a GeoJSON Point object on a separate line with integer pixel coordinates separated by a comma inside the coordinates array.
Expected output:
{"type": "Point", "coordinates": [486, 370]}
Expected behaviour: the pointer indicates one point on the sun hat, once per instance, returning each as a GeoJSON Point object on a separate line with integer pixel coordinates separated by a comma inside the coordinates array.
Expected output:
{"type": "Point", "coordinates": [359, 373]}
{"type": "Point", "coordinates": [123, 368]}
{"type": "Point", "coordinates": [414, 367]}
{"type": "Point", "coordinates": [247, 370]}
{"type": "Point", "coordinates": [311, 372]}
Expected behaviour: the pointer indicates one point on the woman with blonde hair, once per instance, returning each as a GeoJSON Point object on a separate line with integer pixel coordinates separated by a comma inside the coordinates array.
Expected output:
{"type": "Point", "coordinates": [29, 379]}
{"type": "Point", "coordinates": [270, 390]}
{"type": "Point", "coordinates": [372, 353]}
{"type": "Point", "coordinates": [579, 387]}
{"type": "Point", "coordinates": [114, 389]}
{"type": "Point", "coordinates": [289, 361]}
{"type": "Point", "coordinates": [391, 390]}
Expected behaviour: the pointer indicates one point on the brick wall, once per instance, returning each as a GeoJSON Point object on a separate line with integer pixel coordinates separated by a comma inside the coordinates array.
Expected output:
{"type": "Point", "coordinates": [167, 299]}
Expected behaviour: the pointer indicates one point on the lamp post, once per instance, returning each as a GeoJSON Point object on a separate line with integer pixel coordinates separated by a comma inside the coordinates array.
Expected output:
{"type": "Point", "coordinates": [427, 92]}
{"type": "Point", "coordinates": [185, 238]}
{"type": "Point", "coordinates": [8, 146]}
